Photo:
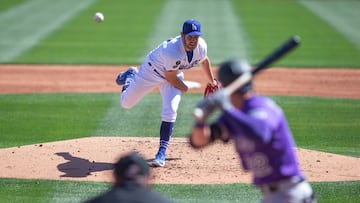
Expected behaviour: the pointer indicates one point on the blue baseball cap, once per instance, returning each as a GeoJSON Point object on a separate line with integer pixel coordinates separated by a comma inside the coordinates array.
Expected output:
{"type": "Point", "coordinates": [191, 27]}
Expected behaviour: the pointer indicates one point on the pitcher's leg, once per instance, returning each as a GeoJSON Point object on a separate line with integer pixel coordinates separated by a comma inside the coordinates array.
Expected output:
{"type": "Point", "coordinates": [171, 99]}
{"type": "Point", "coordinates": [135, 90]}
{"type": "Point", "coordinates": [166, 129]}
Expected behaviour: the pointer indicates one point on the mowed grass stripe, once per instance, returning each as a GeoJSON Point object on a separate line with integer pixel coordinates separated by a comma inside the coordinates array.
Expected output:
{"type": "Point", "coordinates": [120, 39]}
{"type": "Point", "coordinates": [269, 23]}
{"type": "Point", "coordinates": [6, 4]}
{"type": "Point", "coordinates": [135, 122]}
{"type": "Point", "coordinates": [342, 15]}
{"type": "Point", "coordinates": [31, 21]}
{"type": "Point", "coordinates": [144, 119]}
{"type": "Point", "coordinates": [128, 122]}
{"type": "Point", "coordinates": [36, 118]}
{"type": "Point", "coordinates": [221, 28]}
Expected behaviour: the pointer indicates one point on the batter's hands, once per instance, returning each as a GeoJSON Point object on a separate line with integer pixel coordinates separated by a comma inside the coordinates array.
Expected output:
{"type": "Point", "coordinates": [217, 100]}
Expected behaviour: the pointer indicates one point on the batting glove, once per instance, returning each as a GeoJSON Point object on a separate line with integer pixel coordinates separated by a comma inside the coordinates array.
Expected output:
{"type": "Point", "coordinates": [218, 100]}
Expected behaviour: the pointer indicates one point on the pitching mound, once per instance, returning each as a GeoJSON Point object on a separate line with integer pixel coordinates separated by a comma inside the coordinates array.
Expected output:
{"type": "Point", "coordinates": [91, 159]}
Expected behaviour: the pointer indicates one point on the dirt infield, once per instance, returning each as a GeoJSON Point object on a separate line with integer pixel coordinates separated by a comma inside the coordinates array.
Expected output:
{"type": "Point", "coordinates": [91, 158]}
{"type": "Point", "coordinates": [274, 81]}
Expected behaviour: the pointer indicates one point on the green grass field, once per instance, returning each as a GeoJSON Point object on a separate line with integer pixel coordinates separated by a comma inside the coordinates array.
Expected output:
{"type": "Point", "coordinates": [44, 32]}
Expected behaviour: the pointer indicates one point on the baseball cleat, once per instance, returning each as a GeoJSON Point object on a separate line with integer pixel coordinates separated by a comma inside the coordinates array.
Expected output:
{"type": "Point", "coordinates": [121, 78]}
{"type": "Point", "coordinates": [159, 160]}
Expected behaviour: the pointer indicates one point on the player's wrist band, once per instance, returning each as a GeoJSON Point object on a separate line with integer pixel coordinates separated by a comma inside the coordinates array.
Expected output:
{"type": "Point", "coordinates": [215, 132]}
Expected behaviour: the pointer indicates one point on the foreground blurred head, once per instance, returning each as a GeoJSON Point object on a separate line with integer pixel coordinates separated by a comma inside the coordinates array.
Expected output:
{"type": "Point", "coordinates": [131, 168]}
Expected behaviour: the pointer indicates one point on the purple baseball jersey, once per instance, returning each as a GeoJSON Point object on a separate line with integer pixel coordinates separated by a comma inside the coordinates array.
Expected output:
{"type": "Point", "coordinates": [263, 140]}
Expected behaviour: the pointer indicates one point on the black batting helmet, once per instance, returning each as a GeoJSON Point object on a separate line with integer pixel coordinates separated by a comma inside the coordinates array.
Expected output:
{"type": "Point", "coordinates": [130, 166]}
{"type": "Point", "coordinates": [232, 69]}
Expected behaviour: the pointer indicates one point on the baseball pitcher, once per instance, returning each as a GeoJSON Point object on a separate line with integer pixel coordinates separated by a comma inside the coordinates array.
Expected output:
{"type": "Point", "coordinates": [163, 68]}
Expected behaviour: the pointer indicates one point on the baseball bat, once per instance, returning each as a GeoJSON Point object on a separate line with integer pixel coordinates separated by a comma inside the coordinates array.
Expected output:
{"type": "Point", "coordinates": [199, 112]}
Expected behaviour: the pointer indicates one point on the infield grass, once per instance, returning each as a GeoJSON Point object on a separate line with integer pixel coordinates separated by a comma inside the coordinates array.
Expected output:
{"type": "Point", "coordinates": [44, 191]}
{"type": "Point", "coordinates": [36, 118]}
{"type": "Point", "coordinates": [324, 124]}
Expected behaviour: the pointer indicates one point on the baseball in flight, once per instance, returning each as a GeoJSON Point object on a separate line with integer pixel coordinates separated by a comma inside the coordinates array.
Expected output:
{"type": "Point", "coordinates": [98, 17]}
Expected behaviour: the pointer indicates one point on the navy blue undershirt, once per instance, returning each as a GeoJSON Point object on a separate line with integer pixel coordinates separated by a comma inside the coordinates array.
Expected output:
{"type": "Point", "coordinates": [190, 55]}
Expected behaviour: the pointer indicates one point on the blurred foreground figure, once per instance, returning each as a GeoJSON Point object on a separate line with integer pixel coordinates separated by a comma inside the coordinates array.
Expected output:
{"type": "Point", "coordinates": [131, 184]}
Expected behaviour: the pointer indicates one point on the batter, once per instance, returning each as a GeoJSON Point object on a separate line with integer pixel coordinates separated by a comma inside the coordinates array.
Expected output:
{"type": "Point", "coordinates": [163, 68]}
{"type": "Point", "coordinates": [261, 134]}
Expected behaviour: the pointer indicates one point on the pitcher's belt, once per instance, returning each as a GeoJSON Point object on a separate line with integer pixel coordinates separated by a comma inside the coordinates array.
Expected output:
{"type": "Point", "coordinates": [155, 70]}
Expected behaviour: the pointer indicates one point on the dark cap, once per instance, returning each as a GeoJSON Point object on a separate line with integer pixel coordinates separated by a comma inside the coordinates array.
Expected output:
{"type": "Point", "coordinates": [130, 166]}
{"type": "Point", "coordinates": [232, 69]}
{"type": "Point", "coordinates": [192, 27]}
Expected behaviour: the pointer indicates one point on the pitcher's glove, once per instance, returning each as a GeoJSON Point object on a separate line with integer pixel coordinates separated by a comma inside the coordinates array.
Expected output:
{"type": "Point", "coordinates": [209, 89]}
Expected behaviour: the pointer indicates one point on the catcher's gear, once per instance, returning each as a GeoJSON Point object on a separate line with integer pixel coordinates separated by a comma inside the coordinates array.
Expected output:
{"type": "Point", "coordinates": [209, 89]}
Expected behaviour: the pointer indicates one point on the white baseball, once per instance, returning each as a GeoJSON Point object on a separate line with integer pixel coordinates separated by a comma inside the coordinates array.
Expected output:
{"type": "Point", "coordinates": [98, 17]}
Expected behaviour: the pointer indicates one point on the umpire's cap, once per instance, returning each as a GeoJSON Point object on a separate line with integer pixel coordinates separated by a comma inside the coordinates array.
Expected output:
{"type": "Point", "coordinates": [131, 166]}
{"type": "Point", "coordinates": [231, 69]}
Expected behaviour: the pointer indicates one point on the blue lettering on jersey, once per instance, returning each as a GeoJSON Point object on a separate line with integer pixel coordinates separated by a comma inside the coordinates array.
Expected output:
{"type": "Point", "coordinates": [184, 66]}
{"type": "Point", "coordinates": [176, 64]}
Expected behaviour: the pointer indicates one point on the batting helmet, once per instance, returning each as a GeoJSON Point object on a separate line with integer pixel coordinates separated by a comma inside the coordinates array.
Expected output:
{"type": "Point", "coordinates": [232, 69]}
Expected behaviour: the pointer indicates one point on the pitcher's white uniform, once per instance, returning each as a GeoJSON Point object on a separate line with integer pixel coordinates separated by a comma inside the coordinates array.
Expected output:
{"type": "Point", "coordinates": [170, 55]}
{"type": "Point", "coordinates": [162, 68]}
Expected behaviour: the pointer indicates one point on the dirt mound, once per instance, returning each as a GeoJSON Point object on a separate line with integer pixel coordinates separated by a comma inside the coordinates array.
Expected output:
{"type": "Point", "coordinates": [91, 159]}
